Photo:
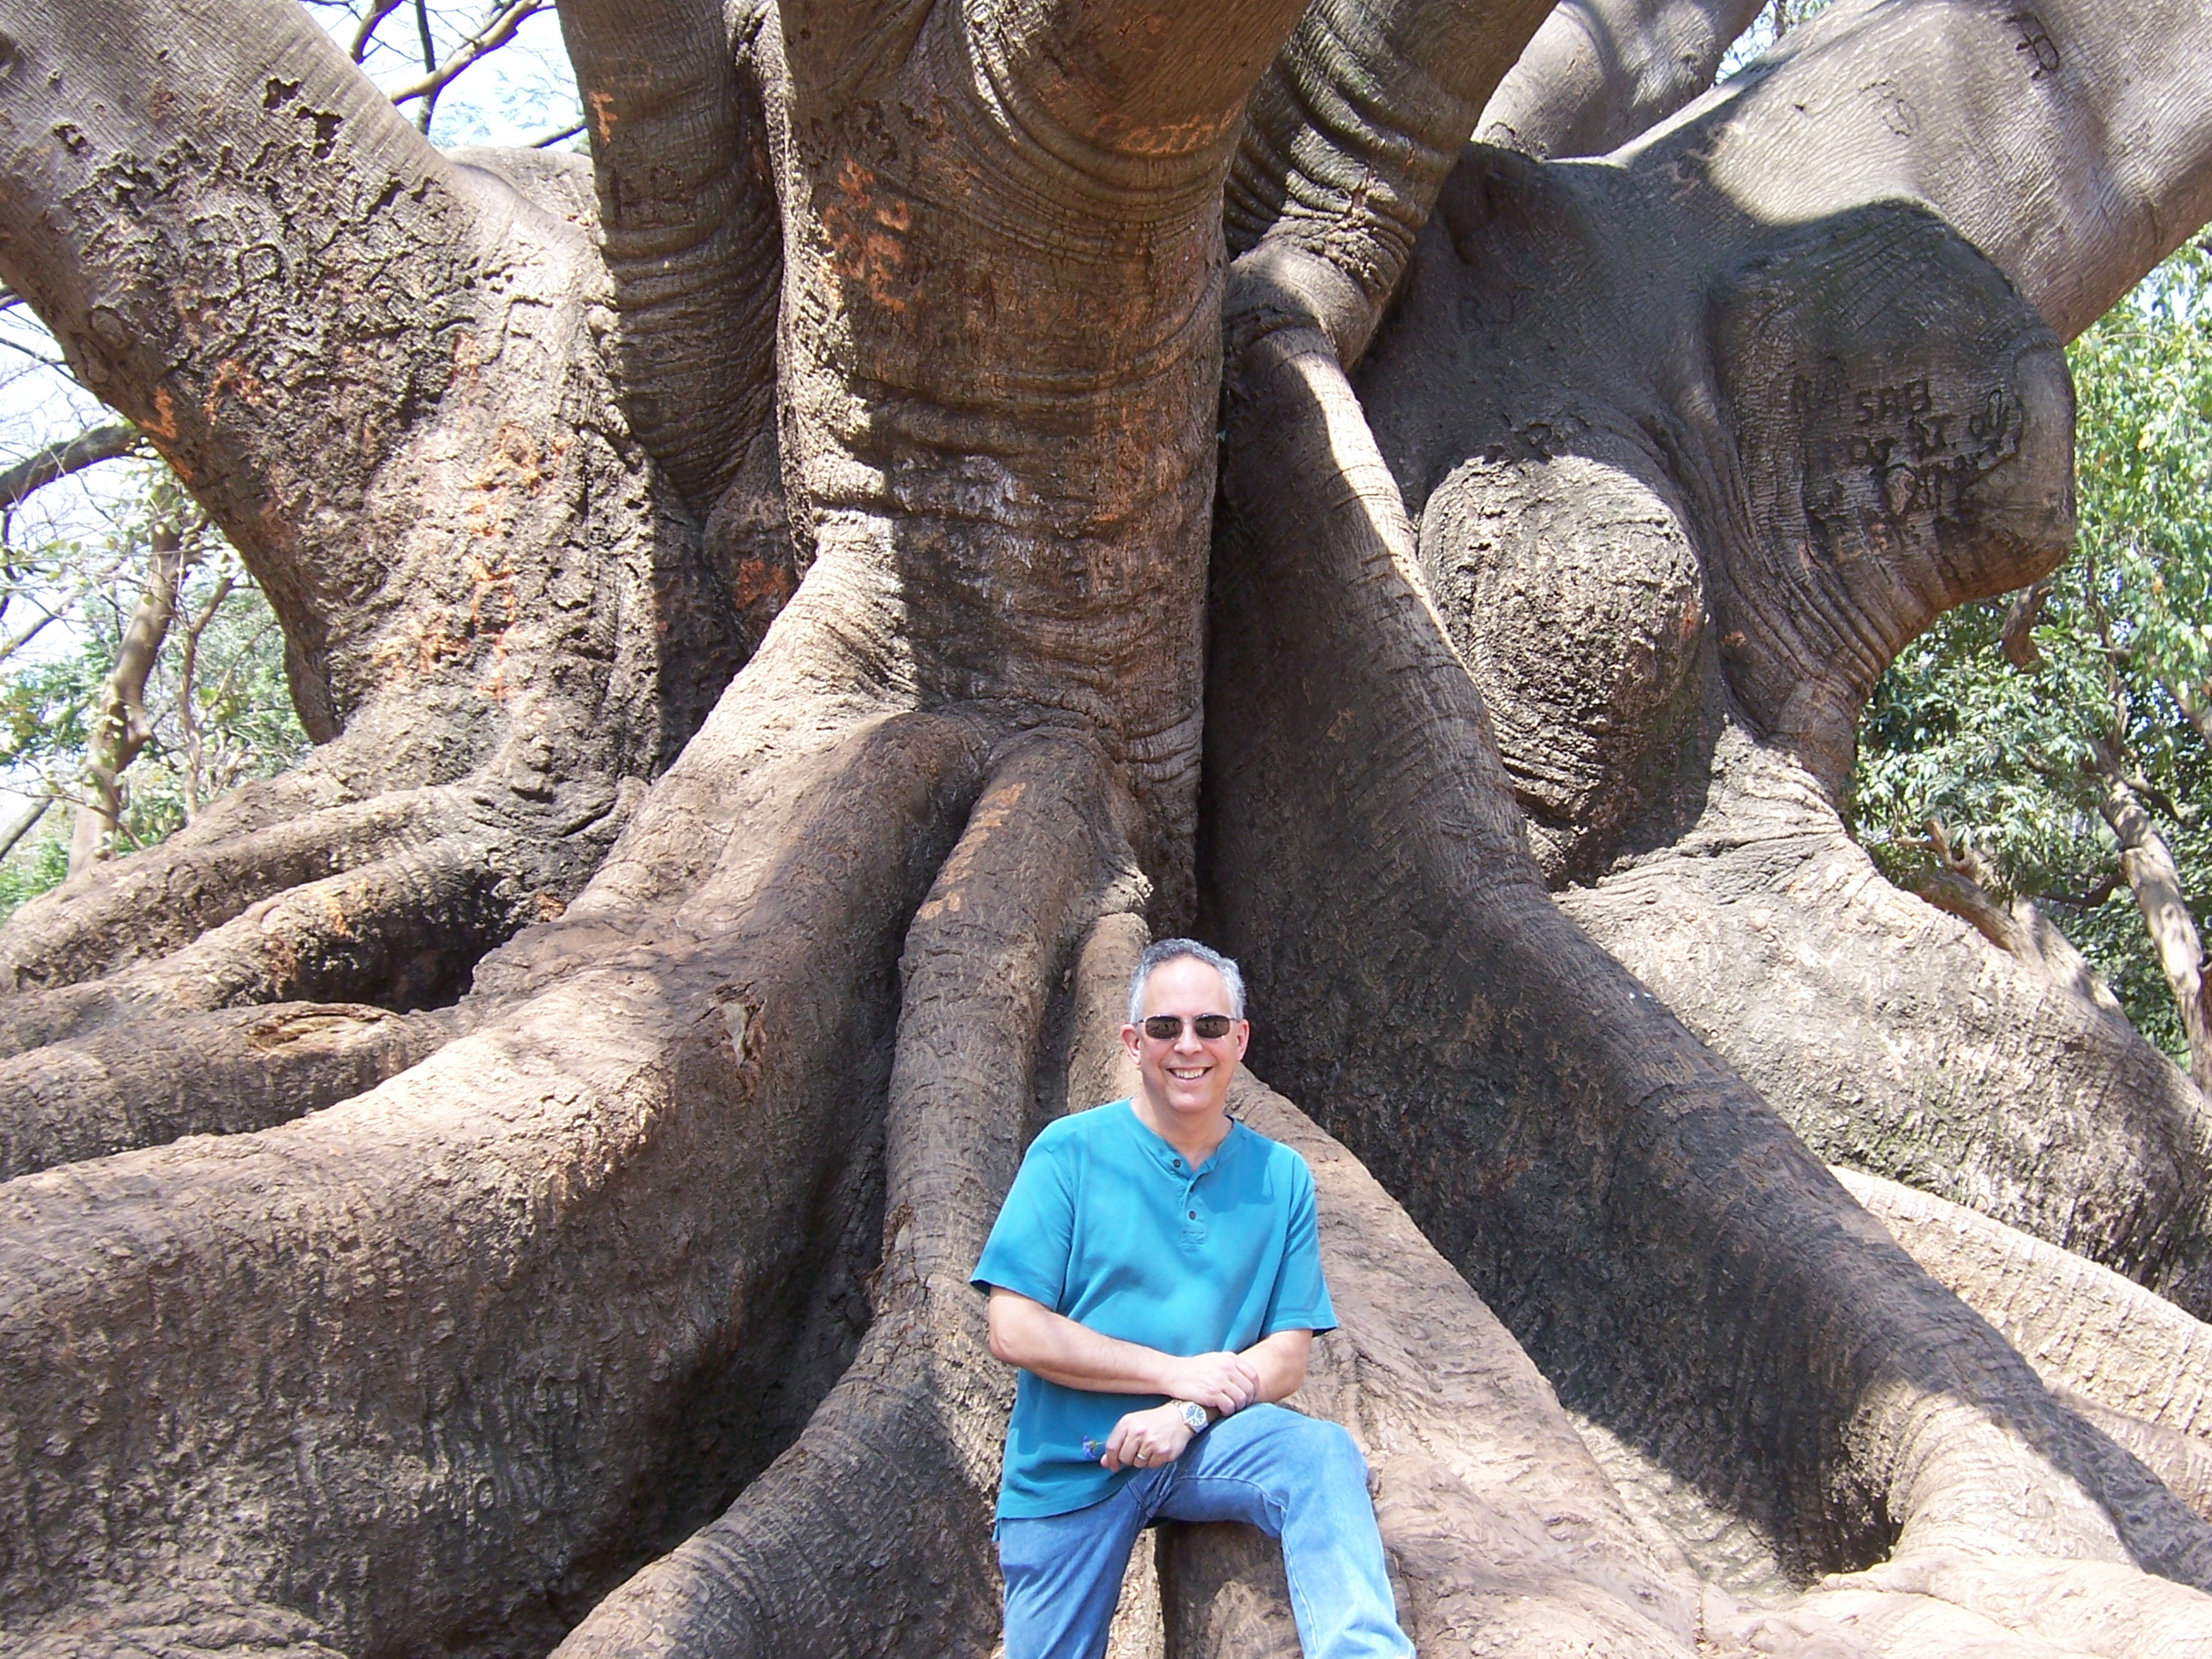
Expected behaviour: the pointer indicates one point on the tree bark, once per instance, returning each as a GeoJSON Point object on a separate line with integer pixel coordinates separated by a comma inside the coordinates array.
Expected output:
{"type": "Point", "coordinates": [1675, 582]}
{"type": "Point", "coordinates": [871, 1534]}
{"type": "Point", "coordinates": [2136, 1361]}
{"type": "Point", "coordinates": [1345, 143]}
{"type": "Point", "coordinates": [441, 1365]}
{"type": "Point", "coordinates": [1600, 72]}
{"type": "Point", "coordinates": [2017, 926]}
{"type": "Point", "coordinates": [1541, 1111]}
{"type": "Point", "coordinates": [687, 223]}
{"type": "Point", "coordinates": [636, 1057]}
{"type": "Point", "coordinates": [376, 367]}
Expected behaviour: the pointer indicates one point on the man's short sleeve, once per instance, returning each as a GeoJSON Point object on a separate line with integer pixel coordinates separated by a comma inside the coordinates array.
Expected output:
{"type": "Point", "coordinates": [1301, 1299]}
{"type": "Point", "coordinates": [1027, 1250]}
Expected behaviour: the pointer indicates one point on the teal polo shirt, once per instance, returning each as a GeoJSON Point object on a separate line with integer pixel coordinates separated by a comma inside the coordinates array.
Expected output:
{"type": "Point", "coordinates": [1105, 1224]}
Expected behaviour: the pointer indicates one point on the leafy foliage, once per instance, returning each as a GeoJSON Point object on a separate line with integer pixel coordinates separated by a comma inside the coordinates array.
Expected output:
{"type": "Point", "coordinates": [217, 699]}
{"type": "Point", "coordinates": [30, 870]}
{"type": "Point", "coordinates": [2006, 758]}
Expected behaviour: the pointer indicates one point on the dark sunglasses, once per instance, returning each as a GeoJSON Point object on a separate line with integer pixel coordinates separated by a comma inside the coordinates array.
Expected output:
{"type": "Point", "coordinates": [1166, 1028]}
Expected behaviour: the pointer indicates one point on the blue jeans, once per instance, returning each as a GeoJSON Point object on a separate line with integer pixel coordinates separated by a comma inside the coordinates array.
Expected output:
{"type": "Point", "coordinates": [1296, 1479]}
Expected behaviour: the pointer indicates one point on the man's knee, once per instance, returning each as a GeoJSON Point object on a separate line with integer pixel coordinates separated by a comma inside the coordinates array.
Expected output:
{"type": "Point", "coordinates": [1336, 1456]}
{"type": "Point", "coordinates": [1318, 1455]}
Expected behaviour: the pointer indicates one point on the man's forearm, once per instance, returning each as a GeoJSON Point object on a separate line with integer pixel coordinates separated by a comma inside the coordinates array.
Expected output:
{"type": "Point", "coordinates": [1074, 1356]}
{"type": "Point", "coordinates": [1055, 1347]}
{"type": "Point", "coordinates": [1280, 1360]}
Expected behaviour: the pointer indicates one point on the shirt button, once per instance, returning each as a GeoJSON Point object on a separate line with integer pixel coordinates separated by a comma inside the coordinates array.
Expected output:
{"type": "Point", "coordinates": [1194, 1215]}
{"type": "Point", "coordinates": [1178, 1164]}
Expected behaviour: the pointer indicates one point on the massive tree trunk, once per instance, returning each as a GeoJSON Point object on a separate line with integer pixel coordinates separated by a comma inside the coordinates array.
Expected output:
{"type": "Point", "coordinates": [671, 1063]}
{"type": "Point", "coordinates": [1676, 569]}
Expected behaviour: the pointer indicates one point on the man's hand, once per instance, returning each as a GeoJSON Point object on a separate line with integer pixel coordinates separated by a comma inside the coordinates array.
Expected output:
{"type": "Point", "coordinates": [1146, 1439]}
{"type": "Point", "coordinates": [1223, 1383]}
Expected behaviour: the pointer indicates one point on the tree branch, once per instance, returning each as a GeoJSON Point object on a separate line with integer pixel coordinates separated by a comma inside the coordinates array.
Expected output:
{"type": "Point", "coordinates": [429, 66]}
{"type": "Point", "coordinates": [1346, 140]}
{"type": "Point", "coordinates": [122, 729]}
{"type": "Point", "coordinates": [1599, 72]}
{"type": "Point", "coordinates": [2088, 899]}
{"type": "Point", "coordinates": [371, 20]}
{"type": "Point", "coordinates": [25, 822]}
{"type": "Point", "coordinates": [2017, 639]}
{"type": "Point", "coordinates": [24, 635]}
{"type": "Point", "coordinates": [2067, 144]}
{"type": "Point", "coordinates": [1959, 885]}
{"type": "Point", "coordinates": [188, 660]}
{"type": "Point", "coordinates": [2148, 864]}
{"type": "Point", "coordinates": [2193, 707]}
{"type": "Point", "coordinates": [60, 460]}
{"type": "Point", "coordinates": [286, 183]}
{"type": "Point", "coordinates": [437, 76]}
{"type": "Point", "coordinates": [267, 83]}
{"type": "Point", "coordinates": [690, 225]}
{"type": "Point", "coordinates": [1134, 80]}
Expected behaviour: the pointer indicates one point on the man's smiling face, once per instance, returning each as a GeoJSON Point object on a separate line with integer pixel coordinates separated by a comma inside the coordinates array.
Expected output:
{"type": "Point", "coordinates": [1186, 1077]}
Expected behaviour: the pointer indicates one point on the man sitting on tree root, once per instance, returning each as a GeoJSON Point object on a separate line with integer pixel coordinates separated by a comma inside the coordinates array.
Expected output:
{"type": "Point", "coordinates": [1155, 1247]}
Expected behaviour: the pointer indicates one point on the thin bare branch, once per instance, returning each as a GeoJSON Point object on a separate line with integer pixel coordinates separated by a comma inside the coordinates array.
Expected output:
{"type": "Point", "coordinates": [437, 76]}
{"type": "Point", "coordinates": [188, 660]}
{"type": "Point", "coordinates": [365, 36]}
{"type": "Point", "coordinates": [23, 636]}
{"type": "Point", "coordinates": [60, 460]}
{"type": "Point", "coordinates": [553, 139]}
{"type": "Point", "coordinates": [25, 822]}
{"type": "Point", "coordinates": [37, 356]}
{"type": "Point", "coordinates": [429, 65]}
{"type": "Point", "coordinates": [2087, 899]}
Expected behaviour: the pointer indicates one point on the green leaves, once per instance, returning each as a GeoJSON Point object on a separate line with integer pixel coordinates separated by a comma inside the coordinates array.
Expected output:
{"type": "Point", "coordinates": [216, 698]}
{"type": "Point", "coordinates": [2004, 757]}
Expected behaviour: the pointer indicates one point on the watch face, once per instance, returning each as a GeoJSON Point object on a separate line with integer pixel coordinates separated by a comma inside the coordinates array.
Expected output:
{"type": "Point", "coordinates": [1194, 1415]}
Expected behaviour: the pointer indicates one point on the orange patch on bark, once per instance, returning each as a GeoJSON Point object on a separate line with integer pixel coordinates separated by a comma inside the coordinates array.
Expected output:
{"type": "Point", "coordinates": [865, 233]}
{"type": "Point", "coordinates": [761, 579]}
{"type": "Point", "coordinates": [467, 360]}
{"type": "Point", "coordinates": [163, 425]}
{"type": "Point", "coordinates": [512, 461]}
{"type": "Point", "coordinates": [240, 382]}
{"type": "Point", "coordinates": [284, 963]}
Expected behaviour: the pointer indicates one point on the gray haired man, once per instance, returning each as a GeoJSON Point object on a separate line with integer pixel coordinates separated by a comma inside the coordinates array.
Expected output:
{"type": "Point", "coordinates": [1155, 1274]}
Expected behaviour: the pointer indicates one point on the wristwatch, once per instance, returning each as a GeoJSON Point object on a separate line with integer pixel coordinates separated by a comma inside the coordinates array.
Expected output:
{"type": "Point", "coordinates": [1194, 1415]}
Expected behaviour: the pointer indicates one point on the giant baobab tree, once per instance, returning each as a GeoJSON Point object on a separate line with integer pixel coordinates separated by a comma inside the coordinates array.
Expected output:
{"type": "Point", "coordinates": [786, 605]}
